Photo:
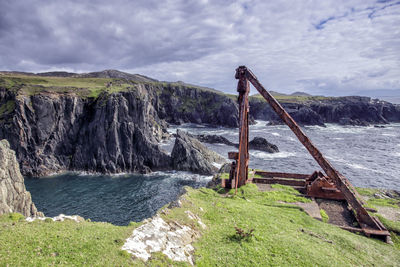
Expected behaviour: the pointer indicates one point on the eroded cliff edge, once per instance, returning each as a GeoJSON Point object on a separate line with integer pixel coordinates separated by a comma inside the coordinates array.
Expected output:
{"type": "Point", "coordinates": [13, 194]}
{"type": "Point", "coordinates": [114, 124]}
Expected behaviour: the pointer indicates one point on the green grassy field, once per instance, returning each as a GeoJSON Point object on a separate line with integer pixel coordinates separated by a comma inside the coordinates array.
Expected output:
{"type": "Point", "coordinates": [291, 98]}
{"type": "Point", "coordinates": [283, 235]}
{"type": "Point", "coordinates": [85, 87]}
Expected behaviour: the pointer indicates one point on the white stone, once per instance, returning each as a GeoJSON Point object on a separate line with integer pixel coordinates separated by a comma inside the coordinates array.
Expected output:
{"type": "Point", "coordinates": [156, 235]}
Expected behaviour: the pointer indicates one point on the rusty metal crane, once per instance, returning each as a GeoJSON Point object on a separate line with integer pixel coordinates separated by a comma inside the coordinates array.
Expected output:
{"type": "Point", "coordinates": [333, 185]}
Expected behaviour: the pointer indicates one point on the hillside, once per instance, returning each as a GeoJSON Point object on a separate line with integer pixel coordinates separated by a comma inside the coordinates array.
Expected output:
{"type": "Point", "coordinates": [282, 235]}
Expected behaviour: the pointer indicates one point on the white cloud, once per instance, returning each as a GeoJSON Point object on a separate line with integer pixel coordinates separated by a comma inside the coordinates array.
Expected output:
{"type": "Point", "coordinates": [326, 47]}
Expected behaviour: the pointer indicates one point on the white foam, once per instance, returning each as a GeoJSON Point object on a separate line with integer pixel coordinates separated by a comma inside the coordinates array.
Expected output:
{"type": "Point", "coordinates": [358, 166]}
{"type": "Point", "coordinates": [180, 175]}
{"type": "Point", "coordinates": [217, 165]}
{"type": "Point", "coordinates": [276, 134]}
{"type": "Point", "coordinates": [343, 129]}
{"type": "Point", "coordinates": [387, 134]}
{"type": "Point", "coordinates": [271, 156]}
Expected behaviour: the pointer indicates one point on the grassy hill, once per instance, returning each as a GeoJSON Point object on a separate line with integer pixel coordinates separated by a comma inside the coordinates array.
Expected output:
{"type": "Point", "coordinates": [283, 235]}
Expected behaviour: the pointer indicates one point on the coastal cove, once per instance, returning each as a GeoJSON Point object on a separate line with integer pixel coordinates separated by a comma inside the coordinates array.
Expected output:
{"type": "Point", "coordinates": [367, 156]}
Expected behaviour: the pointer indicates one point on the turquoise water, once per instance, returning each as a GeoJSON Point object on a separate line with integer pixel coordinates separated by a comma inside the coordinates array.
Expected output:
{"type": "Point", "coordinates": [115, 199]}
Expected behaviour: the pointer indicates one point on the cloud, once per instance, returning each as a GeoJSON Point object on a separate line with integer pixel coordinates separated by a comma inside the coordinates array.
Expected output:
{"type": "Point", "coordinates": [327, 47]}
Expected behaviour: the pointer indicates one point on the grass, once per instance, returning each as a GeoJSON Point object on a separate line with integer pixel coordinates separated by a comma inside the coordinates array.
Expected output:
{"type": "Point", "coordinates": [373, 200]}
{"type": "Point", "coordinates": [85, 87]}
{"type": "Point", "coordinates": [43, 243]}
{"type": "Point", "coordinates": [324, 215]}
{"type": "Point", "coordinates": [7, 107]}
{"type": "Point", "coordinates": [290, 98]}
{"type": "Point", "coordinates": [284, 235]}
{"type": "Point", "coordinates": [389, 224]}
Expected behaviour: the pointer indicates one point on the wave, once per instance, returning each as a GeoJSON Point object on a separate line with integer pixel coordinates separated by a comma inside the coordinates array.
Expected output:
{"type": "Point", "coordinates": [387, 134]}
{"type": "Point", "coordinates": [271, 156]}
{"type": "Point", "coordinates": [180, 175]}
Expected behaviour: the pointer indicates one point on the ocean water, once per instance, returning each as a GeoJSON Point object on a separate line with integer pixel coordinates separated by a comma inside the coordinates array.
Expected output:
{"type": "Point", "coordinates": [118, 199]}
{"type": "Point", "coordinates": [367, 156]}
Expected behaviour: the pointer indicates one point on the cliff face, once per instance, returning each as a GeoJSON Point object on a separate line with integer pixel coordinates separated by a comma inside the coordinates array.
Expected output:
{"type": "Point", "coordinates": [352, 110]}
{"type": "Point", "coordinates": [112, 125]}
{"type": "Point", "coordinates": [113, 133]}
{"type": "Point", "coordinates": [182, 104]}
{"type": "Point", "coordinates": [13, 194]}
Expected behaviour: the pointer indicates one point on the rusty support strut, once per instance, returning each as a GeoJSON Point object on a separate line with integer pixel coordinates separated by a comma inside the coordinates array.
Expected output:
{"type": "Point", "coordinates": [242, 163]}
{"type": "Point", "coordinates": [239, 172]}
{"type": "Point", "coordinates": [368, 223]}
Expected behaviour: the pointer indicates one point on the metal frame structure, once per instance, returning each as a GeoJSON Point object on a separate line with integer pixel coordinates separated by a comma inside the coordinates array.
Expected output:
{"type": "Point", "coordinates": [333, 185]}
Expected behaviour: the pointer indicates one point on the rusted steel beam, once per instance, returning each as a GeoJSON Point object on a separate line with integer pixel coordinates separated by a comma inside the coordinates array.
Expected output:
{"type": "Point", "coordinates": [243, 158]}
{"type": "Point", "coordinates": [283, 175]}
{"type": "Point", "coordinates": [351, 195]}
{"type": "Point", "coordinates": [233, 155]}
{"type": "Point", "coordinates": [282, 181]}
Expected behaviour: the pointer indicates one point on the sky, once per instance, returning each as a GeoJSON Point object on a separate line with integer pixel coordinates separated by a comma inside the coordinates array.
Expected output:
{"type": "Point", "coordinates": [329, 47]}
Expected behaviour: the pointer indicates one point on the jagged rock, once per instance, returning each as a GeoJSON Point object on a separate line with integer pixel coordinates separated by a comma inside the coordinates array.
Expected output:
{"type": "Point", "coordinates": [170, 238]}
{"type": "Point", "coordinates": [13, 194]}
{"type": "Point", "coordinates": [356, 122]}
{"type": "Point", "coordinates": [214, 139]}
{"type": "Point", "coordinates": [216, 180]}
{"type": "Point", "coordinates": [260, 143]}
{"type": "Point", "coordinates": [113, 133]}
{"type": "Point", "coordinates": [330, 110]}
{"type": "Point", "coordinates": [189, 154]}
{"type": "Point", "coordinates": [307, 116]}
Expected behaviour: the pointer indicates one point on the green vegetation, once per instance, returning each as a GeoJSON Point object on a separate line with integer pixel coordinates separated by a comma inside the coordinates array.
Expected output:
{"type": "Point", "coordinates": [291, 98]}
{"type": "Point", "coordinates": [84, 87]}
{"type": "Point", "coordinates": [386, 202]}
{"type": "Point", "coordinates": [283, 234]}
{"type": "Point", "coordinates": [324, 215]}
{"type": "Point", "coordinates": [43, 243]}
{"type": "Point", "coordinates": [368, 192]}
{"type": "Point", "coordinates": [373, 200]}
{"type": "Point", "coordinates": [251, 228]}
{"type": "Point", "coordinates": [7, 107]}
{"type": "Point", "coordinates": [389, 224]}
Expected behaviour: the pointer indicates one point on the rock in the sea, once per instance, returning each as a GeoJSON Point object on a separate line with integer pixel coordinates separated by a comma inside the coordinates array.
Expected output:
{"type": "Point", "coordinates": [307, 116]}
{"type": "Point", "coordinates": [189, 154]}
{"type": "Point", "coordinates": [214, 139]}
{"type": "Point", "coordinates": [13, 194]}
{"type": "Point", "coordinates": [260, 143]}
{"type": "Point", "coordinates": [355, 122]}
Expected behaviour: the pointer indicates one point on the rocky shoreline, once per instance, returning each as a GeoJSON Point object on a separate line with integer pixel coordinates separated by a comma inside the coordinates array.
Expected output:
{"type": "Point", "coordinates": [55, 129]}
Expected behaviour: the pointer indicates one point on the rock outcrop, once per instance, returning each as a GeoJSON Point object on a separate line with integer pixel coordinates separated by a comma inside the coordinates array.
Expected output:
{"type": "Point", "coordinates": [13, 194]}
{"type": "Point", "coordinates": [112, 133]}
{"type": "Point", "coordinates": [189, 154]}
{"type": "Point", "coordinates": [183, 104]}
{"type": "Point", "coordinates": [350, 110]}
{"type": "Point", "coordinates": [53, 128]}
{"type": "Point", "coordinates": [260, 143]}
{"type": "Point", "coordinates": [214, 139]}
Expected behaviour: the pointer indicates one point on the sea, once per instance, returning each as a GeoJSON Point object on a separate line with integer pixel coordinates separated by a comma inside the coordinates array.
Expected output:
{"type": "Point", "coordinates": [367, 156]}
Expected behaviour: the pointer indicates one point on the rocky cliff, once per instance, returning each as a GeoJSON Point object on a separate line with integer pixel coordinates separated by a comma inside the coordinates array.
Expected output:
{"type": "Point", "coordinates": [112, 122]}
{"type": "Point", "coordinates": [112, 133]}
{"type": "Point", "coordinates": [13, 194]}
{"type": "Point", "coordinates": [351, 110]}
